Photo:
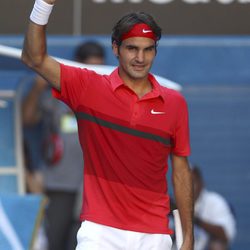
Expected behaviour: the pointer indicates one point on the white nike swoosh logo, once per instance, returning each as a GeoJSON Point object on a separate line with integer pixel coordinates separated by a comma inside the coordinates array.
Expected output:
{"type": "Point", "coordinates": [157, 112]}
{"type": "Point", "coordinates": [146, 31]}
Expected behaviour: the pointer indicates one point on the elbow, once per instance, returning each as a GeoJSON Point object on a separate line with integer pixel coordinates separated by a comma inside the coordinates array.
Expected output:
{"type": "Point", "coordinates": [33, 62]}
{"type": "Point", "coordinates": [220, 234]}
{"type": "Point", "coordinates": [223, 236]}
{"type": "Point", "coordinates": [26, 59]}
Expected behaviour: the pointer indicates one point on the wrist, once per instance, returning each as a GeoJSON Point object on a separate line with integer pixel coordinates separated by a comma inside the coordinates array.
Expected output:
{"type": "Point", "coordinates": [49, 1]}
{"type": "Point", "coordinates": [41, 12]}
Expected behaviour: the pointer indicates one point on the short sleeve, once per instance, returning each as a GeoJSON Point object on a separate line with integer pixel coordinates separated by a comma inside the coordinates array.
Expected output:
{"type": "Point", "coordinates": [221, 215]}
{"type": "Point", "coordinates": [74, 83]}
{"type": "Point", "coordinates": [181, 135]}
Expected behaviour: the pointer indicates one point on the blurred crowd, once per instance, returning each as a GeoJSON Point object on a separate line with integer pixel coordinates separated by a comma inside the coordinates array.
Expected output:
{"type": "Point", "coordinates": [53, 158]}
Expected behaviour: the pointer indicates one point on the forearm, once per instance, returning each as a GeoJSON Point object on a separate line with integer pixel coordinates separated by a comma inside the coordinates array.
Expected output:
{"type": "Point", "coordinates": [183, 190]}
{"type": "Point", "coordinates": [214, 231]}
{"type": "Point", "coordinates": [34, 49]}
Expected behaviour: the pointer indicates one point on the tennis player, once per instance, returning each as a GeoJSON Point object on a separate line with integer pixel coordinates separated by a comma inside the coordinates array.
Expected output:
{"type": "Point", "coordinates": [128, 127]}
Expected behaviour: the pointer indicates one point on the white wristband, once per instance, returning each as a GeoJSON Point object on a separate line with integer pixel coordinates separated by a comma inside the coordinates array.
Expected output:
{"type": "Point", "coordinates": [41, 12]}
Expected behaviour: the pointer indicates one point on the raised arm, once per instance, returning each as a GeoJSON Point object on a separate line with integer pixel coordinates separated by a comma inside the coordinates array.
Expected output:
{"type": "Point", "coordinates": [34, 53]}
{"type": "Point", "coordinates": [183, 191]}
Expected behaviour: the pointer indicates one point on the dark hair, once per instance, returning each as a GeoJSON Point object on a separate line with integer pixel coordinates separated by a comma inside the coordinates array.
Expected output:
{"type": "Point", "coordinates": [129, 20]}
{"type": "Point", "coordinates": [89, 49]}
{"type": "Point", "coordinates": [196, 170]}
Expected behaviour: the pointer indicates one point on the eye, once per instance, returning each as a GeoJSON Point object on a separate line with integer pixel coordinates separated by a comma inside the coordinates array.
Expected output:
{"type": "Point", "coordinates": [151, 48]}
{"type": "Point", "coordinates": [131, 48]}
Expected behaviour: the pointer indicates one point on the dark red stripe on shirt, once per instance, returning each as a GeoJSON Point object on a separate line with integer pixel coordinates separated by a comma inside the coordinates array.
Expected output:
{"type": "Point", "coordinates": [123, 129]}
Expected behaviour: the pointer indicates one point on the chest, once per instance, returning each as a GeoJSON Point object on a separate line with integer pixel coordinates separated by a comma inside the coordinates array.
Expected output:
{"type": "Point", "coordinates": [124, 107]}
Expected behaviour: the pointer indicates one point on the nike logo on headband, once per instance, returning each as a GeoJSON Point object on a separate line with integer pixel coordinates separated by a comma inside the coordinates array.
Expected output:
{"type": "Point", "coordinates": [146, 31]}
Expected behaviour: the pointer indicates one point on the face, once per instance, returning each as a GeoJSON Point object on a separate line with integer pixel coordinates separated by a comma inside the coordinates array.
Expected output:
{"type": "Point", "coordinates": [135, 55]}
{"type": "Point", "coordinates": [94, 60]}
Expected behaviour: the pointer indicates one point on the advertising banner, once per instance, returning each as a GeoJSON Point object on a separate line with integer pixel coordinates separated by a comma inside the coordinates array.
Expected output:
{"type": "Point", "coordinates": [174, 16]}
{"type": "Point", "coordinates": [185, 17]}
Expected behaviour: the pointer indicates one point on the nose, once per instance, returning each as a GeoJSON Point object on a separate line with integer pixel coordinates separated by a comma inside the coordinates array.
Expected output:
{"type": "Point", "coordinates": [140, 56]}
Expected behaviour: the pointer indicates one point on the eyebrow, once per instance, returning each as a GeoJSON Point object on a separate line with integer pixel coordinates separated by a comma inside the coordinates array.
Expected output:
{"type": "Point", "coordinates": [137, 47]}
{"type": "Point", "coordinates": [151, 47]}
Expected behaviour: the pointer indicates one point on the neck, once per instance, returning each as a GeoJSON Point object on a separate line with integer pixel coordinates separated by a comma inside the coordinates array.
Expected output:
{"type": "Point", "coordinates": [140, 86]}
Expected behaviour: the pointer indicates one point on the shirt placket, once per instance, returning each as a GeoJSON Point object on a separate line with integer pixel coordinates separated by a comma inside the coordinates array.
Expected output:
{"type": "Point", "coordinates": [135, 112]}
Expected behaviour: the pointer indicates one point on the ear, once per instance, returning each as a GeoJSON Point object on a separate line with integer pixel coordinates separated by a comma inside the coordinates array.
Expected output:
{"type": "Point", "coordinates": [115, 49]}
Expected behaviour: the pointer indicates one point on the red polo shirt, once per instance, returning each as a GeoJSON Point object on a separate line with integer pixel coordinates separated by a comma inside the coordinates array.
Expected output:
{"type": "Point", "coordinates": [125, 142]}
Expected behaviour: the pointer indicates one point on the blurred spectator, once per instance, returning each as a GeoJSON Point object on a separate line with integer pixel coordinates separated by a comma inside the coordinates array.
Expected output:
{"type": "Point", "coordinates": [33, 175]}
{"type": "Point", "coordinates": [215, 225]}
{"type": "Point", "coordinates": [90, 53]}
{"type": "Point", "coordinates": [61, 153]}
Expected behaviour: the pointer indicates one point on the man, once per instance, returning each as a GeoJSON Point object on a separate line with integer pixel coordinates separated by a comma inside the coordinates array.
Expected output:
{"type": "Point", "coordinates": [215, 225]}
{"type": "Point", "coordinates": [128, 126]}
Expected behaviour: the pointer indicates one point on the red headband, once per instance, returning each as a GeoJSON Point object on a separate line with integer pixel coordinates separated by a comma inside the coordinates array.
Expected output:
{"type": "Point", "coordinates": [140, 30]}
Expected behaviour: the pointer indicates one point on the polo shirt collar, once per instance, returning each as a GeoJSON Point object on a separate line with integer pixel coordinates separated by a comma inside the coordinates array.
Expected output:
{"type": "Point", "coordinates": [115, 79]}
{"type": "Point", "coordinates": [116, 82]}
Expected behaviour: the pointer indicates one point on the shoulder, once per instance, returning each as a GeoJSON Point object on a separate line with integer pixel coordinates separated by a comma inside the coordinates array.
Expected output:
{"type": "Point", "coordinates": [173, 98]}
{"type": "Point", "coordinates": [172, 94]}
{"type": "Point", "coordinates": [215, 198]}
{"type": "Point", "coordinates": [78, 72]}
{"type": "Point", "coordinates": [208, 200]}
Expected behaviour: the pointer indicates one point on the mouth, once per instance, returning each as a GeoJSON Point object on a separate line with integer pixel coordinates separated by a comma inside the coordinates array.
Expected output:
{"type": "Point", "coordinates": [138, 67]}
